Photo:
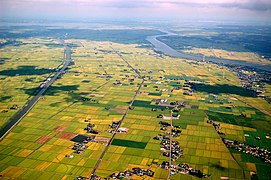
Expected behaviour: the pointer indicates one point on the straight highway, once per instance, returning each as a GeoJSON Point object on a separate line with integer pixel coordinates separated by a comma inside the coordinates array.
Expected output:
{"type": "Point", "coordinates": [30, 104]}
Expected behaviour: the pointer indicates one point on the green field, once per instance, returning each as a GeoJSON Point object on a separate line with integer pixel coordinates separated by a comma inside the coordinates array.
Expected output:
{"type": "Point", "coordinates": [38, 146]}
{"type": "Point", "coordinates": [127, 143]}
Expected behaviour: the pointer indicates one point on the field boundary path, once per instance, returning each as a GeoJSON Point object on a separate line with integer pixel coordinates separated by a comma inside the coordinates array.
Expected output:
{"type": "Point", "coordinates": [92, 175]}
{"type": "Point", "coordinates": [14, 120]}
{"type": "Point", "coordinates": [170, 146]}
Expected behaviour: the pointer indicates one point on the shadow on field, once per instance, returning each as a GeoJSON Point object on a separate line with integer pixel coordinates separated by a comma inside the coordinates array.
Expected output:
{"type": "Point", "coordinates": [3, 60]}
{"type": "Point", "coordinates": [11, 43]}
{"type": "Point", "coordinates": [62, 90]}
{"type": "Point", "coordinates": [25, 71]}
{"type": "Point", "coordinates": [218, 166]}
{"type": "Point", "coordinates": [258, 121]}
{"type": "Point", "coordinates": [222, 88]}
{"type": "Point", "coordinates": [54, 90]}
{"type": "Point", "coordinates": [4, 98]}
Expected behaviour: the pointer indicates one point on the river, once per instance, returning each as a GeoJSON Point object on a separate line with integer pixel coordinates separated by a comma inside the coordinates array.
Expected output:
{"type": "Point", "coordinates": [164, 48]}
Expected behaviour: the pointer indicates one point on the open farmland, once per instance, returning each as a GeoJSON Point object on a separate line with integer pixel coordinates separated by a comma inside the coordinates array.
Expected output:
{"type": "Point", "coordinates": [23, 69]}
{"type": "Point", "coordinates": [245, 56]}
{"type": "Point", "coordinates": [115, 82]}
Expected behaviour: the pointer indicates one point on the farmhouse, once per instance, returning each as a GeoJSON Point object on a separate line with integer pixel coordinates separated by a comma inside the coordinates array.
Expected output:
{"type": "Point", "coordinates": [166, 118]}
{"type": "Point", "coordinates": [122, 130]}
{"type": "Point", "coordinates": [14, 106]}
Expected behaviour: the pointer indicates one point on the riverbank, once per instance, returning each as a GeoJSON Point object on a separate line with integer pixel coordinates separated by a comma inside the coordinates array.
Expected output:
{"type": "Point", "coordinates": [167, 50]}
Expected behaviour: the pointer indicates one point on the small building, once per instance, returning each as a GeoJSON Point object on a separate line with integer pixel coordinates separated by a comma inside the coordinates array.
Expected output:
{"type": "Point", "coordinates": [166, 118]}
{"type": "Point", "coordinates": [224, 178]}
{"type": "Point", "coordinates": [71, 63]}
{"type": "Point", "coordinates": [175, 116]}
{"type": "Point", "coordinates": [122, 130]}
{"type": "Point", "coordinates": [14, 106]}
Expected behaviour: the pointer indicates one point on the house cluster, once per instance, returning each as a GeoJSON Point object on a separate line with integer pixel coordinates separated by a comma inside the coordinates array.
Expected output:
{"type": "Point", "coordinates": [125, 174]}
{"type": "Point", "coordinates": [81, 178]}
{"type": "Point", "coordinates": [176, 131]}
{"type": "Point", "coordinates": [176, 103]}
{"type": "Point", "coordinates": [156, 55]}
{"type": "Point", "coordinates": [262, 153]}
{"type": "Point", "coordinates": [173, 150]}
{"type": "Point", "coordinates": [186, 169]}
{"type": "Point", "coordinates": [117, 83]}
{"type": "Point", "coordinates": [122, 130]}
{"type": "Point", "coordinates": [216, 126]}
{"type": "Point", "coordinates": [182, 168]}
{"type": "Point", "coordinates": [166, 165]}
{"type": "Point", "coordinates": [253, 80]}
{"type": "Point", "coordinates": [71, 63]}
{"type": "Point", "coordinates": [136, 171]}
{"type": "Point", "coordinates": [85, 99]}
{"type": "Point", "coordinates": [166, 146]}
{"type": "Point", "coordinates": [255, 151]}
{"type": "Point", "coordinates": [79, 148]}
{"type": "Point", "coordinates": [141, 172]}
{"type": "Point", "coordinates": [4, 111]}
{"type": "Point", "coordinates": [114, 125]}
{"type": "Point", "coordinates": [176, 150]}
{"type": "Point", "coordinates": [105, 76]}
{"type": "Point", "coordinates": [115, 128]}
{"type": "Point", "coordinates": [159, 101]}
{"type": "Point", "coordinates": [163, 124]}
{"type": "Point", "coordinates": [174, 116]}
{"type": "Point", "coordinates": [130, 79]}
{"type": "Point", "coordinates": [164, 102]}
{"type": "Point", "coordinates": [93, 177]}
{"type": "Point", "coordinates": [188, 90]}
{"type": "Point", "coordinates": [14, 106]}
{"type": "Point", "coordinates": [161, 137]}
{"type": "Point", "coordinates": [89, 139]}
{"type": "Point", "coordinates": [90, 129]}
{"type": "Point", "coordinates": [188, 93]}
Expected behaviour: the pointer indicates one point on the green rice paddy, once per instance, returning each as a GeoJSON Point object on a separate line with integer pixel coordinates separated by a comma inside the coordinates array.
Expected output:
{"type": "Point", "coordinates": [36, 148]}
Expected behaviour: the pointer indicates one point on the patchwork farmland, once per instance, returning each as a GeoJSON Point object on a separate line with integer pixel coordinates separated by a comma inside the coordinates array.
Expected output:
{"type": "Point", "coordinates": [101, 117]}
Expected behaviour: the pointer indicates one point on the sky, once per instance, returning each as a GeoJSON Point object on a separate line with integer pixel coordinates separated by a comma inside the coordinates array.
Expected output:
{"type": "Point", "coordinates": [231, 10]}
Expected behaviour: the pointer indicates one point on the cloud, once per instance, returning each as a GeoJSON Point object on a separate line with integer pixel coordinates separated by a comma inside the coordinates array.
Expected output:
{"type": "Point", "coordinates": [260, 6]}
{"type": "Point", "coordinates": [173, 9]}
{"type": "Point", "coordinates": [254, 5]}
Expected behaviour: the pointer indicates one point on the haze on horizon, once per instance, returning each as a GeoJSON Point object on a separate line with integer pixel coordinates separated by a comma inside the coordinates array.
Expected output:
{"type": "Point", "coordinates": [230, 10]}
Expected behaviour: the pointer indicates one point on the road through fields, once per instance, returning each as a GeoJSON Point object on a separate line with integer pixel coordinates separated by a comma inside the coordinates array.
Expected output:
{"type": "Point", "coordinates": [30, 104]}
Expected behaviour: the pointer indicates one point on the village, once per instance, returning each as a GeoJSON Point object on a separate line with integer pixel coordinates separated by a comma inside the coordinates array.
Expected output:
{"type": "Point", "coordinates": [126, 112]}
{"type": "Point", "coordinates": [252, 79]}
{"type": "Point", "coordinates": [256, 151]}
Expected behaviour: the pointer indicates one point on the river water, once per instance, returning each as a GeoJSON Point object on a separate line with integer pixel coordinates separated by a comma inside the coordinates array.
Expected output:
{"type": "Point", "coordinates": [164, 48]}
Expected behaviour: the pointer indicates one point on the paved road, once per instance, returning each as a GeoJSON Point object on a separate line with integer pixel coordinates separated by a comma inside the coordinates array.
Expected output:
{"type": "Point", "coordinates": [91, 177]}
{"type": "Point", "coordinates": [170, 146]}
{"type": "Point", "coordinates": [30, 104]}
{"type": "Point", "coordinates": [129, 65]}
